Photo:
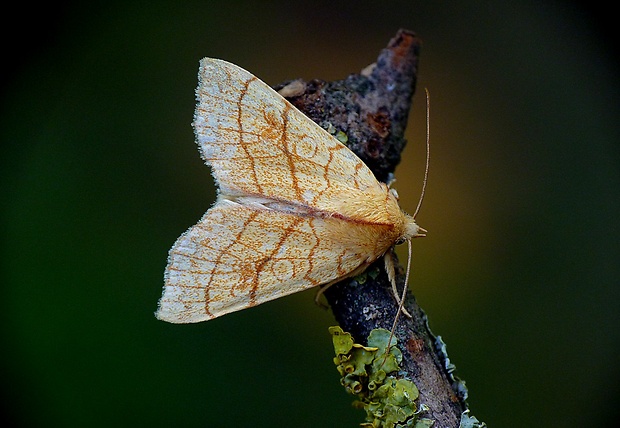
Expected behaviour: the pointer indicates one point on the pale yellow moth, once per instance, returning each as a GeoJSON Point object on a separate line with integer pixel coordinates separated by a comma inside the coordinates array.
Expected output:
{"type": "Point", "coordinates": [295, 209]}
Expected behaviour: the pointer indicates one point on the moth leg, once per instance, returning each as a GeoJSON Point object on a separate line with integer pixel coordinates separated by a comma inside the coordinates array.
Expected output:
{"type": "Point", "coordinates": [388, 260]}
{"type": "Point", "coordinates": [319, 293]}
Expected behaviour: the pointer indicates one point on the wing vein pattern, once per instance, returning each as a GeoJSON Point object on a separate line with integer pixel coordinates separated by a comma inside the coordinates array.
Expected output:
{"type": "Point", "coordinates": [296, 208]}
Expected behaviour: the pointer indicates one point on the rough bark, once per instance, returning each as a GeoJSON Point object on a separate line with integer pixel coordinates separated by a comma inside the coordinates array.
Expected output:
{"type": "Point", "coordinates": [371, 108]}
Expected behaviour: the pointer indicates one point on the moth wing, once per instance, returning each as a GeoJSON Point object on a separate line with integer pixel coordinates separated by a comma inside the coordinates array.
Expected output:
{"type": "Point", "coordinates": [257, 143]}
{"type": "Point", "coordinates": [239, 256]}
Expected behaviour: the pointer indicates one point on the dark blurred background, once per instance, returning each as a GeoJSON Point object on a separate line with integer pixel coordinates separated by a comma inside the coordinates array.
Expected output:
{"type": "Point", "coordinates": [99, 175]}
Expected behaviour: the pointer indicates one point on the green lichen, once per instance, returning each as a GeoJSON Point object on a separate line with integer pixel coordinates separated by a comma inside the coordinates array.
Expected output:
{"type": "Point", "coordinates": [369, 373]}
{"type": "Point", "coordinates": [329, 128]}
{"type": "Point", "coordinates": [342, 137]}
{"type": "Point", "coordinates": [373, 273]}
{"type": "Point", "coordinates": [468, 421]}
{"type": "Point", "coordinates": [424, 423]}
{"type": "Point", "coordinates": [363, 277]}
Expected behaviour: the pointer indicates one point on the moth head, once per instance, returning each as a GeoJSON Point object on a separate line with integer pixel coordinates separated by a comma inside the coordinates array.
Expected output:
{"type": "Point", "coordinates": [410, 230]}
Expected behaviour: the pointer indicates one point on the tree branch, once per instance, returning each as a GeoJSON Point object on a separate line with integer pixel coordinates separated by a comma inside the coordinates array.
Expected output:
{"type": "Point", "coordinates": [370, 109]}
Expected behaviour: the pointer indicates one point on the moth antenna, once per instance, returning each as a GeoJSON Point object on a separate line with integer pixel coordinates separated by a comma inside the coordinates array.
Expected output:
{"type": "Point", "coordinates": [428, 151]}
{"type": "Point", "coordinates": [401, 304]}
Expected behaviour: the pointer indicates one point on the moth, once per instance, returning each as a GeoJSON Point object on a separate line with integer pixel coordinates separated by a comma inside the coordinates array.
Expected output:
{"type": "Point", "coordinates": [295, 208]}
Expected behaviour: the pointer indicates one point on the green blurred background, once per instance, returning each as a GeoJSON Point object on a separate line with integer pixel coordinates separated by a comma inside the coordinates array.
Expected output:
{"type": "Point", "coordinates": [99, 175]}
